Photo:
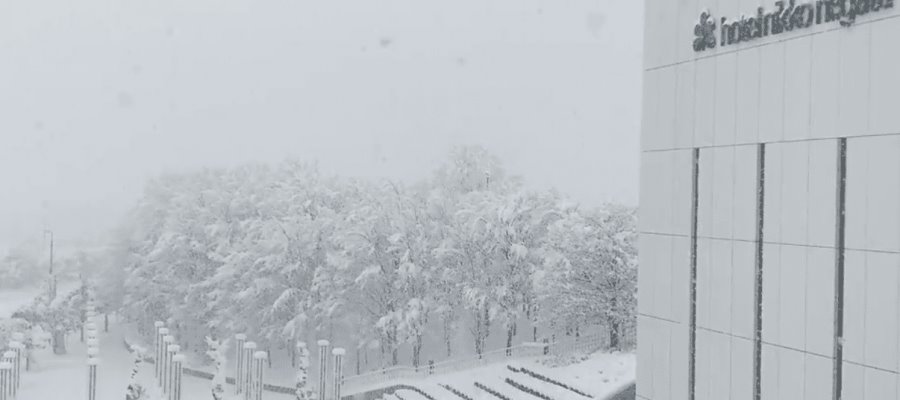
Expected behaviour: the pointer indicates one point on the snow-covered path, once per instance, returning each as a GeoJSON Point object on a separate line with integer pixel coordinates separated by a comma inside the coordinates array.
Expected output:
{"type": "Point", "coordinates": [65, 377]}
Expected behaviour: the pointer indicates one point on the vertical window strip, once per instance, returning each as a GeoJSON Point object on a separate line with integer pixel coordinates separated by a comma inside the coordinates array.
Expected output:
{"type": "Point", "coordinates": [840, 218]}
{"type": "Point", "coordinates": [692, 334]}
{"type": "Point", "coordinates": [758, 270]}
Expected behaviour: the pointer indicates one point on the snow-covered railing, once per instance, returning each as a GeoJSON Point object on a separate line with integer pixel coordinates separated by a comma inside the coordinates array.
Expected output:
{"type": "Point", "coordinates": [376, 379]}
{"type": "Point", "coordinates": [577, 344]}
{"type": "Point", "coordinates": [569, 345]}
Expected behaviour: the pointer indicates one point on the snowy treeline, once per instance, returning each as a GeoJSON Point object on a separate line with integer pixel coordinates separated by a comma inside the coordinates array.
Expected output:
{"type": "Point", "coordinates": [27, 265]}
{"type": "Point", "coordinates": [284, 253]}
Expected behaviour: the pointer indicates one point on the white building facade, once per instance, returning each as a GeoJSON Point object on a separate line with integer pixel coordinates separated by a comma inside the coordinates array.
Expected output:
{"type": "Point", "coordinates": [770, 201]}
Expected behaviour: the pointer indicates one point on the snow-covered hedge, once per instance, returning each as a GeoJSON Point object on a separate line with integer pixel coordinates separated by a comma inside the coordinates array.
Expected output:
{"type": "Point", "coordinates": [455, 391]}
{"type": "Point", "coordinates": [549, 380]}
{"type": "Point", "coordinates": [414, 389]}
{"type": "Point", "coordinates": [527, 389]}
{"type": "Point", "coordinates": [493, 392]}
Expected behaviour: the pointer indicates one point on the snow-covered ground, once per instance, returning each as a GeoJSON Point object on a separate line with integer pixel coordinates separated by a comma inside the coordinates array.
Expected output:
{"type": "Point", "coordinates": [600, 375]}
{"type": "Point", "coordinates": [65, 377]}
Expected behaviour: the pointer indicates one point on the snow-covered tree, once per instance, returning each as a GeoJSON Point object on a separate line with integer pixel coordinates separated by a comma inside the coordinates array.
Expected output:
{"type": "Point", "coordinates": [285, 254]}
{"type": "Point", "coordinates": [216, 352]}
{"type": "Point", "coordinates": [591, 270]}
{"type": "Point", "coordinates": [135, 391]}
{"type": "Point", "coordinates": [303, 391]}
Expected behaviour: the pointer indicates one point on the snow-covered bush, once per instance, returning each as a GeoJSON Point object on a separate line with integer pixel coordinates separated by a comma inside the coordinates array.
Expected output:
{"type": "Point", "coordinates": [527, 389]}
{"type": "Point", "coordinates": [135, 391]}
{"type": "Point", "coordinates": [216, 352]}
{"type": "Point", "coordinates": [303, 390]}
{"type": "Point", "coordinates": [455, 391]}
{"type": "Point", "coordinates": [551, 381]}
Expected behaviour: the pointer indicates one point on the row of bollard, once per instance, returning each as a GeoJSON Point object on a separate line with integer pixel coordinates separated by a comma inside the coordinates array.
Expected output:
{"type": "Point", "coordinates": [337, 373]}
{"type": "Point", "coordinates": [249, 369]}
{"type": "Point", "coordinates": [93, 348]}
{"type": "Point", "coordinates": [13, 360]}
{"type": "Point", "coordinates": [250, 364]}
{"type": "Point", "coordinates": [11, 365]}
{"type": "Point", "coordinates": [169, 362]}
{"type": "Point", "coordinates": [11, 368]}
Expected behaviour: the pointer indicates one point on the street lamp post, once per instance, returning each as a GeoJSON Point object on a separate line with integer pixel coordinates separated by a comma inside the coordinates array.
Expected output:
{"type": "Point", "coordinates": [52, 280]}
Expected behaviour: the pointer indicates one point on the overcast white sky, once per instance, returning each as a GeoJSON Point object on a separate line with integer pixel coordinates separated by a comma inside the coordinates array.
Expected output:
{"type": "Point", "coordinates": [98, 95]}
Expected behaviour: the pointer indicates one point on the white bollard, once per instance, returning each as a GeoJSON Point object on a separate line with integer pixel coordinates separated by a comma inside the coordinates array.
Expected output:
{"type": "Point", "coordinates": [177, 372]}
{"type": "Point", "coordinates": [239, 367]}
{"type": "Point", "coordinates": [171, 351]}
{"type": "Point", "coordinates": [323, 368]}
{"type": "Point", "coordinates": [9, 357]}
{"type": "Point", "coordinates": [5, 373]}
{"type": "Point", "coordinates": [16, 348]}
{"type": "Point", "coordinates": [161, 332]}
{"type": "Point", "coordinates": [92, 378]}
{"type": "Point", "coordinates": [168, 340]}
{"type": "Point", "coordinates": [23, 352]}
{"type": "Point", "coordinates": [259, 359]}
{"type": "Point", "coordinates": [338, 374]}
{"type": "Point", "coordinates": [249, 349]}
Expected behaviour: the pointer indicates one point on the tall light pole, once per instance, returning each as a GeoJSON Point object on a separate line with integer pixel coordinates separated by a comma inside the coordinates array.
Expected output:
{"type": "Point", "coordinates": [52, 280]}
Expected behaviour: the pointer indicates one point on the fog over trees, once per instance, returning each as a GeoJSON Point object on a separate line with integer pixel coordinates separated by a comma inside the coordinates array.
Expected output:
{"type": "Point", "coordinates": [283, 253]}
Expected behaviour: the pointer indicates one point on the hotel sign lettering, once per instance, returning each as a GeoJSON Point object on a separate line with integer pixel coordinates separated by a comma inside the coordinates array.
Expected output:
{"type": "Point", "coordinates": [786, 17]}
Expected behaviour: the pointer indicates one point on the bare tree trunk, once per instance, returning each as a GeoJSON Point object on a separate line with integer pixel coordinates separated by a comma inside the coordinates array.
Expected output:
{"type": "Point", "coordinates": [477, 334]}
{"type": "Point", "coordinates": [448, 333]}
{"type": "Point", "coordinates": [480, 328]}
{"type": "Point", "coordinates": [292, 350]}
{"type": "Point", "coordinates": [614, 342]}
{"type": "Point", "coordinates": [417, 351]}
{"type": "Point", "coordinates": [392, 343]}
{"type": "Point", "coordinates": [510, 332]}
{"type": "Point", "coordinates": [487, 329]}
{"type": "Point", "coordinates": [59, 341]}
